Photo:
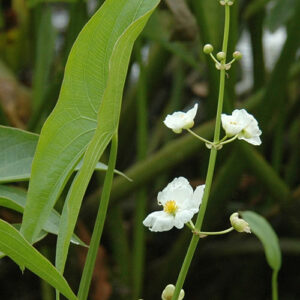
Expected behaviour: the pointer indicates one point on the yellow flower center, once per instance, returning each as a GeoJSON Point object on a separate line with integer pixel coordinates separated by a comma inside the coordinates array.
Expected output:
{"type": "Point", "coordinates": [170, 207]}
{"type": "Point", "coordinates": [233, 123]}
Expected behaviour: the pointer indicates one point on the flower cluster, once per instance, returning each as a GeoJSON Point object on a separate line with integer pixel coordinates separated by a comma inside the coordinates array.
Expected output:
{"type": "Point", "coordinates": [178, 199]}
{"type": "Point", "coordinates": [240, 124]}
{"type": "Point", "coordinates": [179, 203]}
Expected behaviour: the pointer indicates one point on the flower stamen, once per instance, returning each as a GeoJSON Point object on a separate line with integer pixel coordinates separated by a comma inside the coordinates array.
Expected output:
{"type": "Point", "coordinates": [170, 207]}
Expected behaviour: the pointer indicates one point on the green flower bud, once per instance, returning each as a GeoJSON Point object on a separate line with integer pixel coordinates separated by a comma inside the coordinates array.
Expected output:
{"type": "Point", "coordinates": [227, 67]}
{"type": "Point", "coordinates": [226, 2]}
{"type": "Point", "coordinates": [221, 55]}
{"type": "Point", "coordinates": [239, 224]}
{"type": "Point", "coordinates": [237, 55]}
{"type": "Point", "coordinates": [208, 48]}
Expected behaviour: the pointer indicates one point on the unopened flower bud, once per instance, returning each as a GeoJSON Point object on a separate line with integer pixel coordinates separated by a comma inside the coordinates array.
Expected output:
{"type": "Point", "coordinates": [208, 48]}
{"type": "Point", "coordinates": [228, 2]}
{"type": "Point", "coordinates": [227, 67]}
{"type": "Point", "coordinates": [221, 55]}
{"type": "Point", "coordinates": [237, 55]}
{"type": "Point", "coordinates": [168, 292]}
{"type": "Point", "coordinates": [239, 224]}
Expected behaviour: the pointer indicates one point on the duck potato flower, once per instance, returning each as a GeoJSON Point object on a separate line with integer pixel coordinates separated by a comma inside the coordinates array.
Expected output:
{"type": "Point", "coordinates": [243, 124]}
{"type": "Point", "coordinates": [181, 120]}
{"type": "Point", "coordinates": [179, 202]}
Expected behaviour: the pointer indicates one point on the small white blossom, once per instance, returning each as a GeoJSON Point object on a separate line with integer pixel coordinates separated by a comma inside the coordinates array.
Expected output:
{"type": "Point", "coordinates": [181, 120]}
{"type": "Point", "coordinates": [168, 292]}
{"type": "Point", "coordinates": [242, 124]}
{"type": "Point", "coordinates": [179, 202]}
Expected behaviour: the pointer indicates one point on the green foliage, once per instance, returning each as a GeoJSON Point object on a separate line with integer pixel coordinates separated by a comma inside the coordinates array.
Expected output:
{"type": "Point", "coordinates": [45, 45]}
{"type": "Point", "coordinates": [32, 3]}
{"type": "Point", "coordinates": [263, 230]}
{"type": "Point", "coordinates": [125, 31]}
{"type": "Point", "coordinates": [88, 87]}
{"type": "Point", "coordinates": [172, 74]}
{"type": "Point", "coordinates": [14, 245]}
{"type": "Point", "coordinates": [281, 13]}
{"type": "Point", "coordinates": [15, 199]}
{"type": "Point", "coordinates": [17, 152]}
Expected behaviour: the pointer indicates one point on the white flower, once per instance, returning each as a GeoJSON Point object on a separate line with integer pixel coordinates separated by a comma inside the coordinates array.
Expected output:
{"type": "Point", "coordinates": [181, 120]}
{"type": "Point", "coordinates": [179, 202]}
{"type": "Point", "coordinates": [168, 292]}
{"type": "Point", "coordinates": [242, 124]}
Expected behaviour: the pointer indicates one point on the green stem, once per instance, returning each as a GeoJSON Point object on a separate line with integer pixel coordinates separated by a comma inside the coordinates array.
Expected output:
{"type": "Point", "coordinates": [138, 248]}
{"type": "Point", "coordinates": [214, 59]}
{"type": "Point", "coordinates": [229, 141]}
{"type": "Point", "coordinates": [274, 285]}
{"type": "Point", "coordinates": [199, 137]}
{"type": "Point", "coordinates": [199, 233]}
{"type": "Point", "coordinates": [46, 288]}
{"type": "Point", "coordinates": [211, 167]}
{"type": "Point", "coordinates": [99, 224]}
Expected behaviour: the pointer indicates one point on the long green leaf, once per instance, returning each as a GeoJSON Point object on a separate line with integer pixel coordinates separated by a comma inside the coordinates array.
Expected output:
{"type": "Point", "coordinates": [262, 169]}
{"type": "Point", "coordinates": [45, 45]}
{"type": "Point", "coordinates": [32, 3]}
{"type": "Point", "coordinates": [13, 244]}
{"type": "Point", "coordinates": [71, 126]}
{"type": "Point", "coordinates": [127, 19]}
{"type": "Point", "coordinates": [42, 235]}
{"type": "Point", "coordinates": [16, 155]}
{"type": "Point", "coordinates": [15, 199]}
{"type": "Point", "coordinates": [263, 230]}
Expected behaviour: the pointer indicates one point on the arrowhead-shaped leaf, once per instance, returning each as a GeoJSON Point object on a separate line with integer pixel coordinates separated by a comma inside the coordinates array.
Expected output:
{"type": "Point", "coordinates": [90, 98]}
{"type": "Point", "coordinates": [16, 155]}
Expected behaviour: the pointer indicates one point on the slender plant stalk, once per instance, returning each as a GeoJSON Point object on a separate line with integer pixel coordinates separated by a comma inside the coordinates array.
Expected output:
{"type": "Point", "coordinates": [46, 289]}
{"type": "Point", "coordinates": [274, 285]}
{"type": "Point", "coordinates": [214, 232]}
{"type": "Point", "coordinates": [211, 166]}
{"type": "Point", "coordinates": [99, 224]}
{"type": "Point", "coordinates": [141, 196]}
{"type": "Point", "coordinates": [199, 137]}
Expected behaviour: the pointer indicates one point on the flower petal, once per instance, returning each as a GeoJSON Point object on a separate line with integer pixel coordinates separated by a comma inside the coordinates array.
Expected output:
{"type": "Point", "coordinates": [230, 125]}
{"type": "Point", "coordinates": [178, 190]}
{"type": "Point", "coordinates": [159, 221]}
{"type": "Point", "coordinates": [183, 217]}
{"type": "Point", "coordinates": [176, 121]}
{"type": "Point", "coordinates": [191, 114]}
{"type": "Point", "coordinates": [255, 140]}
{"type": "Point", "coordinates": [181, 120]}
{"type": "Point", "coordinates": [197, 196]}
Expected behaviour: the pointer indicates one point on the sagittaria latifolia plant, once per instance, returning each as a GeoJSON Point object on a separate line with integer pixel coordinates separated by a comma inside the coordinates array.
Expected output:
{"type": "Point", "coordinates": [59, 163]}
{"type": "Point", "coordinates": [178, 200]}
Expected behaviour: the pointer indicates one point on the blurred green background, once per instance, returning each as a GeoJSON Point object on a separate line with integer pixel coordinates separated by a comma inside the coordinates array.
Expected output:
{"type": "Point", "coordinates": [169, 72]}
